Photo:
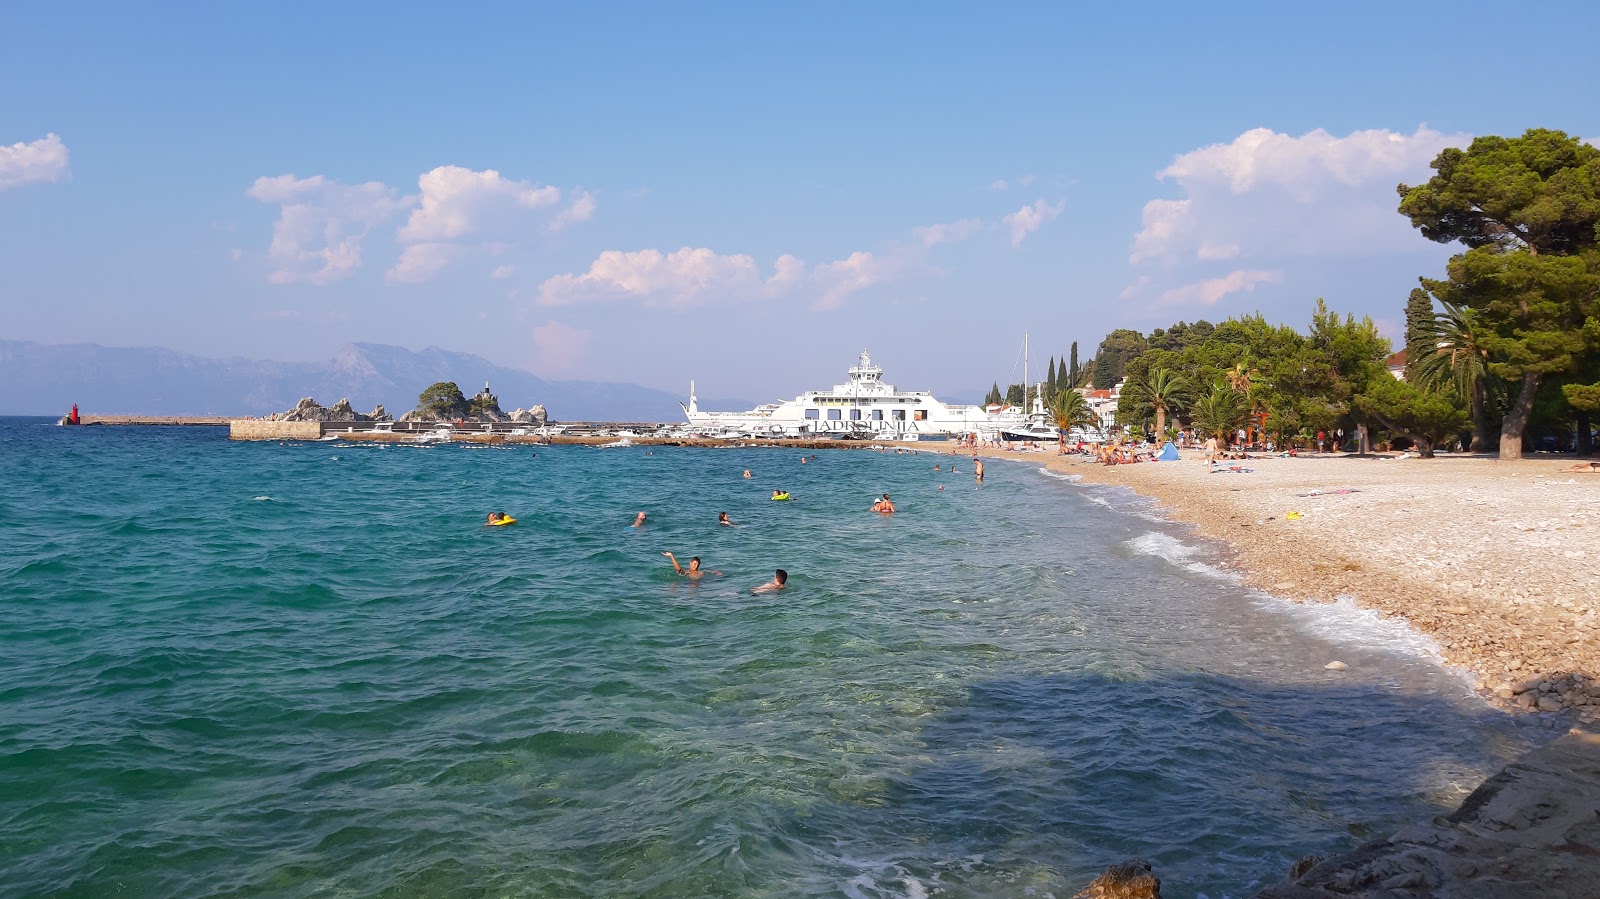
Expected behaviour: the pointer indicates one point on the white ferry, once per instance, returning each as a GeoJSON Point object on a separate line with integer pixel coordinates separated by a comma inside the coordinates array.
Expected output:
{"type": "Point", "coordinates": [863, 407]}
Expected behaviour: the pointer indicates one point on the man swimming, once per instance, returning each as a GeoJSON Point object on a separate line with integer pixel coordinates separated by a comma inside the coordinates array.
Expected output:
{"type": "Point", "coordinates": [779, 578]}
{"type": "Point", "coordinates": [638, 521]}
{"type": "Point", "coordinates": [747, 474]}
{"type": "Point", "coordinates": [497, 517]}
{"type": "Point", "coordinates": [694, 572]}
{"type": "Point", "coordinates": [722, 519]}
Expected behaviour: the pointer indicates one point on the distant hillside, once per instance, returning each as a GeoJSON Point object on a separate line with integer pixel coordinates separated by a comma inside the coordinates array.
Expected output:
{"type": "Point", "coordinates": [46, 379]}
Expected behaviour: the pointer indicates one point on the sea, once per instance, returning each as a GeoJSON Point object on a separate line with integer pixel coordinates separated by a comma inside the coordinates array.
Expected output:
{"type": "Point", "coordinates": [308, 669]}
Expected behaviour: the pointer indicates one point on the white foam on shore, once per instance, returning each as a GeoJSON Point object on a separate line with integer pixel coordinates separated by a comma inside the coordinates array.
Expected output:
{"type": "Point", "coordinates": [1069, 478]}
{"type": "Point", "coordinates": [1178, 553]}
{"type": "Point", "coordinates": [1342, 621]}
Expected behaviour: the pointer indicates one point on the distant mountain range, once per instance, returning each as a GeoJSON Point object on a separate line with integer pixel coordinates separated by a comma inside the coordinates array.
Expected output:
{"type": "Point", "coordinates": [46, 379]}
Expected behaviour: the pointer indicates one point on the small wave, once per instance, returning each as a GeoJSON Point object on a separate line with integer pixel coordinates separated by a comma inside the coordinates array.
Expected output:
{"type": "Point", "coordinates": [1178, 553]}
{"type": "Point", "coordinates": [1070, 478]}
{"type": "Point", "coordinates": [1342, 621]}
{"type": "Point", "coordinates": [264, 499]}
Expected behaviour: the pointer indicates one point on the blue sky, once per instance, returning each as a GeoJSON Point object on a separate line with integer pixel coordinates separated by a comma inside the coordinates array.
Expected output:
{"type": "Point", "coordinates": [744, 194]}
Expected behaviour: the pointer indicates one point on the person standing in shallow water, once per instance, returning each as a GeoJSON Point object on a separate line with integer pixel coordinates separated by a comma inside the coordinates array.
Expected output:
{"type": "Point", "coordinates": [694, 572]}
{"type": "Point", "coordinates": [638, 521]}
{"type": "Point", "coordinates": [977, 466]}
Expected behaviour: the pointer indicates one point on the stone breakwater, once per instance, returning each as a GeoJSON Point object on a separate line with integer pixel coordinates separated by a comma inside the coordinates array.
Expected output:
{"type": "Point", "coordinates": [1495, 561]}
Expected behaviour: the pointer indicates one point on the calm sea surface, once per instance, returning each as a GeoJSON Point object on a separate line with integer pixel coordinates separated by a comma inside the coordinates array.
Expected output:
{"type": "Point", "coordinates": [246, 669]}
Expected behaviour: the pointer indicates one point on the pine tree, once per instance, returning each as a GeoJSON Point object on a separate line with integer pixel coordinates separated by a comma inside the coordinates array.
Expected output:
{"type": "Point", "coordinates": [994, 395]}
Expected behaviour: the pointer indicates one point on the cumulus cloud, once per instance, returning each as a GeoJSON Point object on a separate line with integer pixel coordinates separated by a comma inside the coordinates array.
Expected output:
{"type": "Point", "coordinates": [581, 209]}
{"type": "Point", "coordinates": [1211, 290]}
{"type": "Point", "coordinates": [952, 232]}
{"type": "Point", "coordinates": [1028, 219]}
{"type": "Point", "coordinates": [421, 261]}
{"type": "Point", "coordinates": [1003, 184]}
{"type": "Point", "coordinates": [25, 163]}
{"type": "Point", "coordinates": [691, 277]}
{"type": "Point", "coordinates": [321, 223]}
{"type": "Point", "coordinates": [456, 201]}
{"type": "Point", "coordinates": [1266, 192]}
{"type": "Point", "coordinates": [502, 272]}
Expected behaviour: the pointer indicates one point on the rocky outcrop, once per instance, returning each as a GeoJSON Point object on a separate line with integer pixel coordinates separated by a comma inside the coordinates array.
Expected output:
{"type": "Point", "coordinates": [1531, 830]}
{"type": "Point", "coordinates": [309, 409]}
{"type": "Point", "coordinates": [1129, 880]}
{"type": "Point", "coordinates": [535, 416]}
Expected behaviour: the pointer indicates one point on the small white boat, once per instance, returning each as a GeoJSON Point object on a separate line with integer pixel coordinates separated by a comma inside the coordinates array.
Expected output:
{"type": "Point", "coordinates": [623, 442]}
{"type": "Point", "coordinates": [437, 435]}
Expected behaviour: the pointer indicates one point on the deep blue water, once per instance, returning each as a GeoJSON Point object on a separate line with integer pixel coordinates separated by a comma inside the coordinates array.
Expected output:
{"type": "Point", "coordinates": [246, 669]}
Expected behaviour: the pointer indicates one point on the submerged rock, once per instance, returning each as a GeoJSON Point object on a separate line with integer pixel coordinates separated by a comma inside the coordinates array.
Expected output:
{"type": "Point", "coordinates": [1129, 880]}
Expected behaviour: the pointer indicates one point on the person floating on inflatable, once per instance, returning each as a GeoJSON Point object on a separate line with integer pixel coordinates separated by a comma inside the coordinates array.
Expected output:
{"type": "Point", "coordinates": [499, 519]}
{"type": "Point", "coordinates": [779, 496]}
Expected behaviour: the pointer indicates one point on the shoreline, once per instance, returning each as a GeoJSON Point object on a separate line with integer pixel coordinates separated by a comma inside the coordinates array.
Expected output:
{"type": "Point", "coordinates": [1494, 561]}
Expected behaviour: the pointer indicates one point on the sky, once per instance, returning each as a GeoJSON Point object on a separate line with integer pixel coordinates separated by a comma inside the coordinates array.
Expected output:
{"type": "Point", "coordinates": [744, 194]}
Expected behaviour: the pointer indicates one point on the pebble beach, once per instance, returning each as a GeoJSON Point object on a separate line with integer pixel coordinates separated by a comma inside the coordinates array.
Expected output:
{"type": "Point", "coordinates": [1496, 561]}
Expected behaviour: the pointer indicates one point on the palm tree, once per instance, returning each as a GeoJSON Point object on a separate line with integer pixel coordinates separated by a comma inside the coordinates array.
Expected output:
{"type": "Point", "coordinates": [1459, 359]}
{"type": "Point", "coordinates": [1072, 411]}
{"type": "Point", "coordinates": [1220, 411]}
{"type": "Point", "coordinates": [1164, 391]}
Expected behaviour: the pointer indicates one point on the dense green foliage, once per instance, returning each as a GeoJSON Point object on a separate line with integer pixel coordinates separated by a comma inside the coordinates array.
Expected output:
{"type": "Point", "coordinates": [442, 400]}
{"type": "Point", "coordinates": [1427, 417]}
{"type": "Point", "coordinates": [1116, 351]}
{"type": "Point", "coordinates": [1528, 211]}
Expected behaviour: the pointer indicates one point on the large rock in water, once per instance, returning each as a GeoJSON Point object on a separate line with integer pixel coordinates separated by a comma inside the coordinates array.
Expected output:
{"type": "Point", "coordinates": [1130, 880]}
{"type": "Point", "coordinates": [534, 416]}
{"type": "Point", "coordinates": [1533, 830]}
{"type": "Point", "coordinates": [309, 409]}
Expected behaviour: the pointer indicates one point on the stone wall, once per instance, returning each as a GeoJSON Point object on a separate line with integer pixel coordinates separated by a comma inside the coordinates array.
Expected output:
{"type": "Point", "coordinates": [257, 429]}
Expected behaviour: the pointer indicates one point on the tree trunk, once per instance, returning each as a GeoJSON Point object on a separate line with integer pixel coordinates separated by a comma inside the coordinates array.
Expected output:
{"type": "Point", "coordinates": [1480, 417]}
{"type": "Point", "coordinates": [1363, 440]}
{"type": "Point", "coordinates": [1517, 417]}
{"type": "Point", "coordinates": [1161, 423]}
{"type": "Point", "coordinates": [1424, 446]}
{"type": "Point", "coordinates": [1585, 446]}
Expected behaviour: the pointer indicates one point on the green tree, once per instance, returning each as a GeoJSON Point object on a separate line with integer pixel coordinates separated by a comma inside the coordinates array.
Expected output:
{"type": "Point", "coordinates": [1073, 375]}
{"type": "Point", "coordinates": [1419, 322]}
{"type": "Point", "coordinates": [1111, 360]}
{"type": "Point", "coordinates": [1528, 210]}
{"type": "Point", "coordinates": [1424, 416]}
{"type": "Point", "coordinates": [1455, 356]}
{"type": "Point", "coordinates": [1160, 391]}
{"type": "Point", "coordinates": [1070, 411]}
{"type": "Point", "coordinates": [1353, 353]}
{"type": "Point", "coordinates": [442, 400]}
{"type": "Point", "coordinates": [1220, 412]}
{"type": "Point", "coordinates": [1050, 381]}
{"type": "Point", "coordinates": [993, 397]}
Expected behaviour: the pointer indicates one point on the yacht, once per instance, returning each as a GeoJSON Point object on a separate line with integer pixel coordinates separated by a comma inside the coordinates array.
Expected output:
{"type": "Point", "coordinates": [864, 406]}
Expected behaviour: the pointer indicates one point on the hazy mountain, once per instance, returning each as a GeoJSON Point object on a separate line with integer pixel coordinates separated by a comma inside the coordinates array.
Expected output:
{"type": "Point", "coordinates": [46, 379]}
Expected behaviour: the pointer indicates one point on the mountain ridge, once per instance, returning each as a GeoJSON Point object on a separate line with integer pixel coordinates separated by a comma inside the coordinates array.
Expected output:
{"type": "Point", "coordinates": [47, 379]}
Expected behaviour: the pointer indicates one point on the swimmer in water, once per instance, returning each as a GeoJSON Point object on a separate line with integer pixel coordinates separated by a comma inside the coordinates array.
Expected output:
{"type": "Point", "coordinates": [883, 505]}
{"type": "Point", "coordinates": [694, 572]}
{"type": "Point", "coordinates": [638, 521]}
{"type": "Point", "coordinates": [978, 467]}
{"type": "Point", "coordinates": [496, 518]}
{"type": "Point", "coordinates": [777, 494]}
{"type": "Point", "coordinates": [747, 474]}
{"type": "Point", "coordinates": [779, 578]}
{"type": "Point", "coordinates": [722, 519]}
{"type": "Point", "coordinates": [935, 467]}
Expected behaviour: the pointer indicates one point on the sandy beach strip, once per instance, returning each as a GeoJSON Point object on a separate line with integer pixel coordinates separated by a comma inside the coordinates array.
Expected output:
{"type": "Point", "coordinates": [1499, 562]}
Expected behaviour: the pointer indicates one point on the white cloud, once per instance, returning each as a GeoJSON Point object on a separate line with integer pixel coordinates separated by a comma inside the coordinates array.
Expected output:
{"type": "Point", "coordinates": [1133, 289]}
{"type": "Point", "coordinates": [581, 209]}
{"type": "Point", "coordinates": [691, 277]}
{"type": "Point", "coordinates": [321, 223]}
{"type": "Point", "coordinates": [421, 261]}
{"type": "Point", "coordinates": [952, 232]}
{"type": "Point", "coordinates": [1214, 289]}
{"type": "Point", "coordinates": [1000, 184]}
{"type": "Point", "coordinates": [42, 160]}
{"type": "Point", "coordinates": [1003, 184]}
{"type": "Point", "coordinates": [1267, 192]}
{"type": "Point", "coordinates": [456, 201]}
{"type": "Point", "coordinates": [1592, 141]}
{"type": "Point", "coordinates": [502, 272]}
{"type": "Point", "coordinates": [1028, 219]}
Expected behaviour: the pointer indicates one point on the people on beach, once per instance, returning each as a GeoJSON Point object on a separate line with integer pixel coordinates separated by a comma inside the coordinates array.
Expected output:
{"type": "Point", "coordinates": [883, 505]}
{"type": "Point", "coordinates": [722, 519]}
{"type": "Point", "coordinates": [638, 521]}
{"type": "Point", "coordinates": [694, 572]}
{"type": "Point", "coordinates": [779, 578]}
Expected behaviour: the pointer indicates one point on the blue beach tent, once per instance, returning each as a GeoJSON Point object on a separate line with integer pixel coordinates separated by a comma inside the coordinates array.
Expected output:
{"type": "Point", "coordinates": [1169, 453]}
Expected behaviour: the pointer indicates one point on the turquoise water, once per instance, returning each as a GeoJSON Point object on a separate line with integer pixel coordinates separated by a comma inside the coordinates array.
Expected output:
{"type": "Point", "coordinates": [246, 669]}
